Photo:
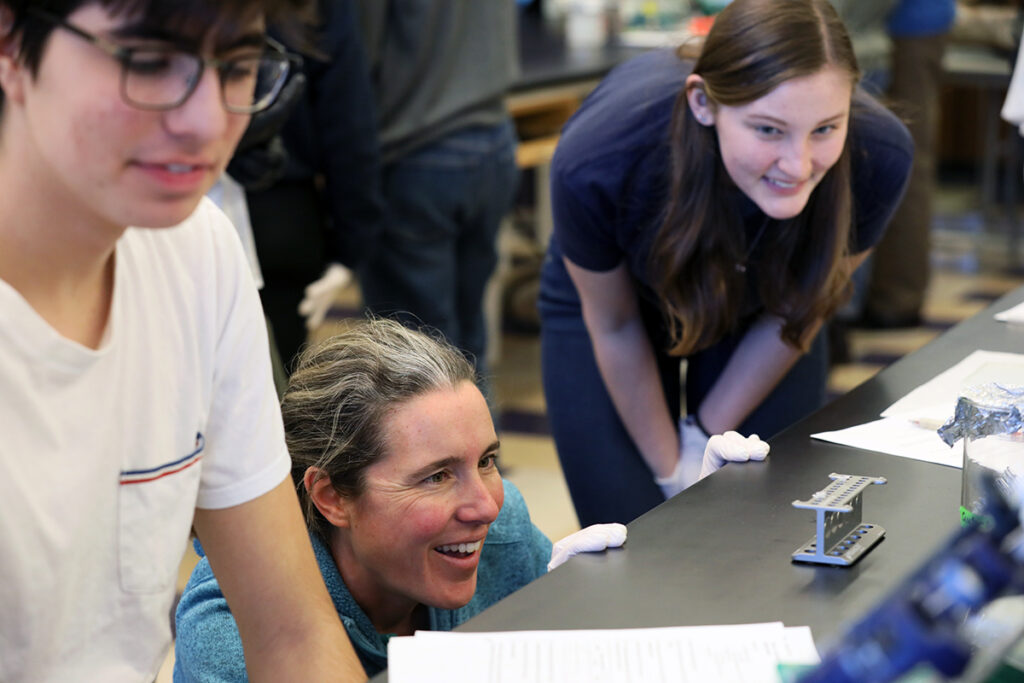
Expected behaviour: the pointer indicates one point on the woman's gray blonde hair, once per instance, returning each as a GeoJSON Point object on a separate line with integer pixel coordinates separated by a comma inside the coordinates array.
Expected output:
{"type": "Point", "coordinates": [341, 391]}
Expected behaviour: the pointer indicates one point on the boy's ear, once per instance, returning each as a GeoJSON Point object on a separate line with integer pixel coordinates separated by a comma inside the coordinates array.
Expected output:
{"type": "Point", "coordinates": [6, 21]}
{"type": "Point", "coordinates": [12, 70]}
{"type": "Point", "coordinates": [335, 507]}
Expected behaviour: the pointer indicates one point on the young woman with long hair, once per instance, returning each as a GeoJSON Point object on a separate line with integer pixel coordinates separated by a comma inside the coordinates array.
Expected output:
{"type": "Point", "coordinates": [713, 211]}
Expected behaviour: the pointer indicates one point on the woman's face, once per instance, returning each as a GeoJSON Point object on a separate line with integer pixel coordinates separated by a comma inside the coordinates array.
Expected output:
{"type": "Point", "coordinates": [101, 159]}
{"type": "Point", "coordinates": [415, 533]}
{"type": "Point", "coordinates": [777, 148]}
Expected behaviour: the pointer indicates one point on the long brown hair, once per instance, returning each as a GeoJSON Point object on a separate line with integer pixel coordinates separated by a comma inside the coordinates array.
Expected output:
{"type": "Point", "coordinates": [753, 47]}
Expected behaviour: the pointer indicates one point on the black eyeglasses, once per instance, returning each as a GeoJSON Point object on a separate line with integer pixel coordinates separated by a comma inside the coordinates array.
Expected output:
{"type": "Point", "coordinates": [164, 77]}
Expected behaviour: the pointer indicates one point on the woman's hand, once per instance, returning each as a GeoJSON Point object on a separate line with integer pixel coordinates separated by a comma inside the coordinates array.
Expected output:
{"type": "Point", "coordinates": [321, 293]}
{"type": "Point", "coordinates": [732, 447]}
{"type": "Point", "coordinates": [594, 538]}
{"type": "Point", "coordinates": [692, 448]}
{"type": "Point", "coordinates": [699, 455]}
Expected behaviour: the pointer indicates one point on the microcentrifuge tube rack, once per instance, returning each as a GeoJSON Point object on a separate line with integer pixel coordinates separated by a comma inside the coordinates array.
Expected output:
{"type": "Point", "coordinates": [841, 537]}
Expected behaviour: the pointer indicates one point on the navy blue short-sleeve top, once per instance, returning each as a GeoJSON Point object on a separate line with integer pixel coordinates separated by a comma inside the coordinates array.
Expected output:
{"type": "Point", "coordinates": [609, 175]}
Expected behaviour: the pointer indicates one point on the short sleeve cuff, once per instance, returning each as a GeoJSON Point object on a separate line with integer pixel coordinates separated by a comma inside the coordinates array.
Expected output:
{"type": "Point", "coordinates": [248, 489]}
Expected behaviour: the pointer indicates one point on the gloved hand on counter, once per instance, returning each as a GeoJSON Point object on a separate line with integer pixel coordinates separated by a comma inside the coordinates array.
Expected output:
{"type": "Point", "coordinates": [692, 443]}
{"type": "Point", "coordinates": [715, 452]}
{"type": "Point", "coordinates": [594, 538]}
{"type": "Point", "coordinates": [732, 447]}
{"type": "Point", "coordinates": [321, 293]}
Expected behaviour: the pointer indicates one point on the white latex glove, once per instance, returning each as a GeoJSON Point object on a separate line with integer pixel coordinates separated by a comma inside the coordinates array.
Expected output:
{"type": "Point", "coordinates": [731, 447]}
{"type": "Point", "coordinates": [692, 442]}
{"type": "Point", "coordinates": [594, 538]}
{"type": "Point", "coordinates": [321, 293]}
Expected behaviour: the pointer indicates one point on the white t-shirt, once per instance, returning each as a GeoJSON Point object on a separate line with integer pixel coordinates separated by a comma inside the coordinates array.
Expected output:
{"type": "Point", "coordinates": [105, 454]}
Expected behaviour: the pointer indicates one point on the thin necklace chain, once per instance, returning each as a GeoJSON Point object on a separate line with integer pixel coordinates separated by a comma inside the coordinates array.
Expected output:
{"type": "Point", "coordinates": [741, 267]}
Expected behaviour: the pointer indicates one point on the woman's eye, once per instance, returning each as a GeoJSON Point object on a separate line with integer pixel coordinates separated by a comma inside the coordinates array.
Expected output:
{"type": "Point", "coordinates": [825, 129]}
{"type": "Point", "coordinates": [767, 130]}
{"type": "Point", "coordinates": [437, 478]}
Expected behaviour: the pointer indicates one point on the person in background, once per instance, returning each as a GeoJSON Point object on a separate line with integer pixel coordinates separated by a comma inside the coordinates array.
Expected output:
{"type": "Point", "coordinates": [711, 211]}
{"type": "Point", "coordinates": [900, 264]}
{"type": "Point", "coordinates": [994, 23]}
{"type": "Point", "coordinates": [229, 196]}
{"type": "Point", "coordinates": [394, 454]}
{"type": "Point", "coordinates": [312, 181]}
{"type": "Point", "coordinates": [440, 71]}
{"type": "Point", "coordinates": [865, 21]}
{"type": "Point", "coordinates": [137, 398]}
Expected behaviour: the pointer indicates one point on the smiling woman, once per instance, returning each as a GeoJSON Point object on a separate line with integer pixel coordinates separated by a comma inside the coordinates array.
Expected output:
{"type": "Point", "coordinates": [777, 148]}
{"type": "Point", "coordinates": [711, 210]}
{"type": "Point", "coordinates": [393, 455]}
{"type": "Point", "coordinates": [425, 509]}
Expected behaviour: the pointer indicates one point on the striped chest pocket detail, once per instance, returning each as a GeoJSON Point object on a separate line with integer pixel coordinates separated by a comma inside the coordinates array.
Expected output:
{"type": "Point", "coordinates": [142, 476]}
{"type": "Point", "coordinates": [156, 507]}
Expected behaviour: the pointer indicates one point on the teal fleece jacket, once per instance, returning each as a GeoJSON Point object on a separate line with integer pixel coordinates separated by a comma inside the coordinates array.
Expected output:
{"type": "Point", "coordinates": [208, 648]}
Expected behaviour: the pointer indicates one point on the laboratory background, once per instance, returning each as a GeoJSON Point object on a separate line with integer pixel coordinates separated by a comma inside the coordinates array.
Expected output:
{"type": "Point", "coordinates": [966, 248]}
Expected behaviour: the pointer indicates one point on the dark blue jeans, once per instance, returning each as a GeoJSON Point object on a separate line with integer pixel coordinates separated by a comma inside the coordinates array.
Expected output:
{"type": "Point", "coordinates": [443, 205]}
{"type": "Point", "coordinates": [607, 478]}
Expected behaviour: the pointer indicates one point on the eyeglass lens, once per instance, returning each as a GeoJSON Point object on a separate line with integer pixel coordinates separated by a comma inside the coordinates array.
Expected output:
{"type": "Point", "coordinates": [160, 78]}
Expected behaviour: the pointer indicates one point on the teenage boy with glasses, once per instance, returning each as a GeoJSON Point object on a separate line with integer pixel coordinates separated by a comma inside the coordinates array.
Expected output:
{"type": "Point", "coordinates": [135, 388]}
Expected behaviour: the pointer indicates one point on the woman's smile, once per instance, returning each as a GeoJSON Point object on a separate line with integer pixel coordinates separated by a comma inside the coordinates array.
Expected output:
{"type": "Point", "coordinates": [785, 188]}
{"type": "Point", "coordinates": [415, 534]}
{"type": "Point", "coordinates": [777, 148]}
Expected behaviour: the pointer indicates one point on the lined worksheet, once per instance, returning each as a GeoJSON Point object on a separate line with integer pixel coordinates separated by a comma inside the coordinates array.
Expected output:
{"type": "Point", "coordinates": [746, 653]}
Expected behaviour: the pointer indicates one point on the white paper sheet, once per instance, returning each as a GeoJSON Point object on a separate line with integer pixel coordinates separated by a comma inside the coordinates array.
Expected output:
{"type": "Point", "coordinates": [909, 424]}
{"type": "Point", "coordinates": [747, 653]}
{"type": "Point", "coordinates": [897, 436]}
{"type": "Point", "coordinates": [936, 399]}
{"type": "Point", "coordinates": [1013, 315]}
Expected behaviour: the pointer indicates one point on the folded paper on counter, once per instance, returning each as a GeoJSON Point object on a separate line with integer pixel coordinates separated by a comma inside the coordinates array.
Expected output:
{"type": "Point", "coordinates": [745, 653]}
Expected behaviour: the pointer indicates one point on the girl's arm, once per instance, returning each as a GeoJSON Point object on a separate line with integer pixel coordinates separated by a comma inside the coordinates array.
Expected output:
{"type": "Point", "coordinates": [627, 364]}
{"type": "Point", "coordinates": [757, 365]}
